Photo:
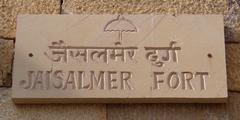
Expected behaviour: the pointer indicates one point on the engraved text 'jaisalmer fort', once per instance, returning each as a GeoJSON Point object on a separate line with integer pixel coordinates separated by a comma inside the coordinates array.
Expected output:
{"type": "Point", "coordinates": [61, 53]}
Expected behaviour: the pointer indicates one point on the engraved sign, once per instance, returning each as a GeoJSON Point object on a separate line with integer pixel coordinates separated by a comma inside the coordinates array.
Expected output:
{"type": "Point", "coordinates": [119, 59]}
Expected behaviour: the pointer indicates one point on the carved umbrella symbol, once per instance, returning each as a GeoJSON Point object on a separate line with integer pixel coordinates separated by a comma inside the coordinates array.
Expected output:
{"type": "Point", "coordinates": [120, 24]}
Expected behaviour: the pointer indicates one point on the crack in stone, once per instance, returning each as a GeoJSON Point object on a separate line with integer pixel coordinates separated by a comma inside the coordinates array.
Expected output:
{"type": "Point", "coordinates": [6, 38]}
{"type": "Point", "coordinates": [61, 9]}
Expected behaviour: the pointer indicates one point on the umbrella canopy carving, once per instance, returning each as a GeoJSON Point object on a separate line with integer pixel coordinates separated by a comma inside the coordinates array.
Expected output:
{"type": "Point", "coordinates": [120, 25]}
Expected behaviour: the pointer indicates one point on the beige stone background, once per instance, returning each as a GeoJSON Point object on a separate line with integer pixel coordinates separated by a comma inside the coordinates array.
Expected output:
{"type": "Point", "coordinates": [9, 9]}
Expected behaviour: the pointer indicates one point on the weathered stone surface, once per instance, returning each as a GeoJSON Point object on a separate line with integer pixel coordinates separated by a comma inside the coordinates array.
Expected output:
{"type": "Point", "coordinates": [232, 21]}
{"type": "Point", "coordinates": [233, 106]}
{"type": "Point", "coordinates": [10, 111]}
{"type": "Point", "coordinates": [232, 35]}
{"type": "Point", "coordinates": [145, 6]}
{"type": "Point", "coordinates": [233, 66]}
{"type": "Point", "coordinates": [9, 9]}
{"type": "Point", "coordinates": [6, 57]}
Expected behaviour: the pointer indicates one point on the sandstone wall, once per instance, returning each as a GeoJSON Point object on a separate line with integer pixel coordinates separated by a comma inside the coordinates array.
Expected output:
{"type": "Point", "coordinates": [9, 9]}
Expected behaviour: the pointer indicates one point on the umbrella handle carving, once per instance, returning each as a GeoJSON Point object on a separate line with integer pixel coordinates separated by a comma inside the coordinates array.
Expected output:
{"type": "Point", "coordinates": [119, 38]}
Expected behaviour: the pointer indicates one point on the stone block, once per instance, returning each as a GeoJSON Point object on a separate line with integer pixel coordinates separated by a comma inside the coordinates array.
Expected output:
{"type": "Point", "coordinates": [6, 58]}
{"type": "Point", "coordinates": [9, 9]}
{"type": "Point", "coordinates": [233, 66]}
{"type": "Point", "coordinates": [183, 59]}
{"type": "Point", "coordinates": [144, 6]}
{"type": "Point", "coordinates": [233, 106]}
{"type": "Point", "coordinates": [232, 22]}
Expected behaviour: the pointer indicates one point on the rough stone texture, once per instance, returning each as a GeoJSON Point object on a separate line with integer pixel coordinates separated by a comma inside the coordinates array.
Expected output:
{"type": "Point", "coordinates": [232, 35]}
{"type": "Point", "coordinates": [9, 9]}
{"type": "Point", "coordinates": [6, 57]}
{"type": "Point", "coordinates": [232, 16]}
{"type": "Point", "coordinates": [233, 66]}
{"type": "Point", "coordinates": [145, 6]}
{"type": "Point", "coordinates": [232, 21]}
{"type": "Point", "coordinates": [10, 111]}
{"type": "Point", "coordinates": [233, 106]}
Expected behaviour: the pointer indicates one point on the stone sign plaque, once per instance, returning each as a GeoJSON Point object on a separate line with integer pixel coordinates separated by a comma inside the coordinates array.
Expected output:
{"type": "Point", "coordinates": [119, 59]}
